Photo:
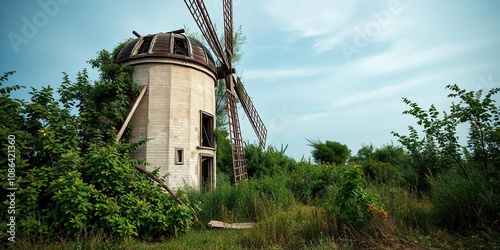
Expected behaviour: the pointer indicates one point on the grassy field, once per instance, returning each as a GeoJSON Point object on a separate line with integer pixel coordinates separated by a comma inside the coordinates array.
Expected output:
{"type": "Point", "coordinates": [351, 214]}
{"type": "Point", "coordinates": [204, 238]}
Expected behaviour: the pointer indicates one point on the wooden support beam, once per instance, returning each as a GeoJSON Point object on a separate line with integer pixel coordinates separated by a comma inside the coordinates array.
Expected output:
{"type": "Point", "coordinates": [131, 113]}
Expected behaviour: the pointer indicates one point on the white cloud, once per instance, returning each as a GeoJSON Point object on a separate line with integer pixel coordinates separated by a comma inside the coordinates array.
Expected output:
{"type": "Point", "coordinates": [377, 94]}
{"type": "Point", "coordinates": [308, 18]}
{"type": "Point", "coordinates": [285, 73]}
{"type": "Point", "coordinates": [443, 76]}
{"type": "Point", "coordinates": [308, 117]}
{"type": "Point", "coordinates": [407, 55]}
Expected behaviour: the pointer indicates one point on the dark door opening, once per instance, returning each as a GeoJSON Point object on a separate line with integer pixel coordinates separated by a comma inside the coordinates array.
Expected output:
{"type": "Point", "coordinates": [207, 173]}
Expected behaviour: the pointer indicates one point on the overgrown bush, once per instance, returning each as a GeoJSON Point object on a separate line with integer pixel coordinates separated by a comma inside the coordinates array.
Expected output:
{"type": "Point", "coordinates": [386, 164]}
{"type": "Point", "coordinates": [406, 209]}
{"type": "Point", "coordinates": [310, 182]}
{"type": "Point", "coordinates": [352, 202]}
{"type": "Point", "coordinates": [465, 204]}
{"type": "Point", "coordinates": [462, 179]}
{"type": "Point", "coordinates": [70, 174]}
{"type": "Point", "coordinates": [267, 162]}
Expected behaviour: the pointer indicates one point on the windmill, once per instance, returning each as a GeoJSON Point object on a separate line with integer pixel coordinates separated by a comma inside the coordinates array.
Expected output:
{"type": "Point", "coordinates": [234, 87]}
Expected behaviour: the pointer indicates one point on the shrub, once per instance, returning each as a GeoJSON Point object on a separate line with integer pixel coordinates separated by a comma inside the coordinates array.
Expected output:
{"type": "Point", "coordinates": [406, 209]}
{"type": "Point", "coordinates": [267, 162]}
{"type": "Point", "coordinates": [382, 172]}
{"type": "Point", "coordinates": [462, 203]}
{"type": "Point", "coordinates": [352, 202]}
{"type": "Point", "coordinates": [310, 182]}
{"type": "Point", "coordinates": [329, 152]}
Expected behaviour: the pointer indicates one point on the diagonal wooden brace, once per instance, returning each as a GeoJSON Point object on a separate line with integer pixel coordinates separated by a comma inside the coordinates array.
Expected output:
{"type": "Point", "coordinates": [131, 113]}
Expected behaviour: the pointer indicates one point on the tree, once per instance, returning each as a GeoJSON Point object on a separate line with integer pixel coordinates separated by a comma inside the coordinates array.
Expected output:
{"type": "Point", "coordinates": [461, 180]}
{"type": "Point", "coordinates": [329, 152]}
{"type": "Point", "coordinates": [70, 173]}
{"type": "Point", "coordinates": [384, 164]}
{"type": "Point", "coordinates": [102, 105]}
{"type": "Point", "coordinates": [479, 114]}
{"type": "Point", "coordinates": [268, 162]}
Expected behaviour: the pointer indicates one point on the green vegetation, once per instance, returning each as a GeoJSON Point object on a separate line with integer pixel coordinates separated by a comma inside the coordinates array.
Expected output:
{"type": "Point", "coordinates": [70, 174]}
{"type": "Point", "coordinates": [77, 187]}
{"type": "Point", "coordinates": [329, 152]}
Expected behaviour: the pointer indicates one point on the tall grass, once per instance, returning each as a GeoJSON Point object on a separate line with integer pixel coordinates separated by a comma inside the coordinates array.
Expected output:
{"type": "Point", "coordinates": [294, 227]}
{"type": "Point", "coordinates": [405, 208]}
{"type": "Point", "coordinates": [465, 204]}
{"type": "Point", "coordinates": [246, 202]}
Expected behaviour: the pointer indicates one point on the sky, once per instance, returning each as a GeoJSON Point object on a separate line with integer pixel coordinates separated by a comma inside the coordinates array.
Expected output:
{"type": "Point", "coordinates": [319, 69]}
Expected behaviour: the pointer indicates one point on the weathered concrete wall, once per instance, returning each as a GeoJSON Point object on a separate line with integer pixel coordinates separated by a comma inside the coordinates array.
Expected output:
{"type": "Point", "coordinates": [170, 115]}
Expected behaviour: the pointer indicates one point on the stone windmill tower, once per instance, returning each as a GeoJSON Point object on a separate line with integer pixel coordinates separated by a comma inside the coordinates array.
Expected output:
{"type": "Point", "coordinates": [177, 108]}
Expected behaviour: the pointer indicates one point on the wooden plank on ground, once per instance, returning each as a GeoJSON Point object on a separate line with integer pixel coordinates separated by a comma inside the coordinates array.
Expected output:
{"type": "Point", "coordinates": [220, 224]}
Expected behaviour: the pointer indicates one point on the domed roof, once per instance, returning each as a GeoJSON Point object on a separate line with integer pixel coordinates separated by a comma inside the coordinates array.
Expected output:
{"type": "Point", "coordinates": [167, 45]}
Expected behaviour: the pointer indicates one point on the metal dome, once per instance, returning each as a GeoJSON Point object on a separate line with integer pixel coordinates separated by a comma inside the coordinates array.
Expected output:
{"type": "Point", "coordinates": [166, 45]}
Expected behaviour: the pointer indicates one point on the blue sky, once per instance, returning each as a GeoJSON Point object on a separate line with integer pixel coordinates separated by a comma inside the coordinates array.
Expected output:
{"type": "Point", "coordinates": [319, 69]}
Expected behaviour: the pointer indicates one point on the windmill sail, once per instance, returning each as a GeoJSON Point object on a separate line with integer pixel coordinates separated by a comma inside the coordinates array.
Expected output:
{"type": "Point", "coordinates": [225, 71]}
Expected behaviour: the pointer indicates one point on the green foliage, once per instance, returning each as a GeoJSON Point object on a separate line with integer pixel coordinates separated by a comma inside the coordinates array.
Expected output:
{"type": "Point", "coordinates": [291, 228]}
{"type": "Point", "coordinates": [406, 209]}
{"type": "Point", "coordinates": [329, 152]}
{"type": "Point", "coordinates": [312, 182]}
{"type": "Point", "coordinates": [483, 117]}
{"type": "Point", "coordinates": [462, 179]}
{"type": "Point", "coordinates": [73, 207]}
{"type": "Point", "coordinates": [104, 104]}
{"type": "Point", "coordinates": [351, 202]}
{"type": "Point", "coordinates": [70, 174]}
{"type": "Point", "coordinates": [382, 165]}
{"type": "Point", "coordinates": [464, 204]}
{"type": "Point", "coordinates": [224, 152]}
{"type": "Point", "coordinates": [440, 150]}
{"type": "Point", "coordinates": [248, 201]}
{"type": "Point", "coordinates": [267, 162]}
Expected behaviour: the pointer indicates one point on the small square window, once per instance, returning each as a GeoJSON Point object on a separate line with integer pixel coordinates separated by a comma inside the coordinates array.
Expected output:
{"type": "Point", "coordinates": [179, 156]}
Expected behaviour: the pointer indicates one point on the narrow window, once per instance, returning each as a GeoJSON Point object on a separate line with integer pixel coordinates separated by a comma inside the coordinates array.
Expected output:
{"type": "Point", "coordinates": [179, 156]}
{"type": "Point", "coordinates": [180, 46]}
{"type": "Point", "coordinates": [146, 43]}
{"type": "Point", "coordinates": [207, 130]}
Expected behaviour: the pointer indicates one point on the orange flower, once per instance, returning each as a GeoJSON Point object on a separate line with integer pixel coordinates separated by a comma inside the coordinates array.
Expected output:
{"type": "Point", "coordinates": [383, 213]}
{"type": "Point", "coordinates": [372, 208]}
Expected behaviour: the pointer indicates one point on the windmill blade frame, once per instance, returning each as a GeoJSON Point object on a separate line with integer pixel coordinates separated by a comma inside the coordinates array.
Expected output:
{"type": "Point", "coordinates": [225, 71]}
{"type": "Point", "coordinates": [202, 19]}
{"type": "Point", "coordinates": [237, 150]}
{"type": "Point", "coordinates": [228, 27]}
{"type": "Point", "coordinates": [251, 112]}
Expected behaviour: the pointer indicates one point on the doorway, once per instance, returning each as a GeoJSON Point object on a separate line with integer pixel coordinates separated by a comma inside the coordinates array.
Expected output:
{"type": "Point", "coordinates": [207, 173]}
